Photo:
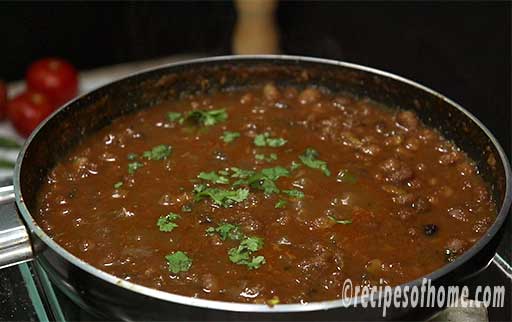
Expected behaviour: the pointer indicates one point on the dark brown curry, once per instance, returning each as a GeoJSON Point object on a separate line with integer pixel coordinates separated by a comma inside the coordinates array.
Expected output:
{"type": "Point", "coordinates": [268, 195]}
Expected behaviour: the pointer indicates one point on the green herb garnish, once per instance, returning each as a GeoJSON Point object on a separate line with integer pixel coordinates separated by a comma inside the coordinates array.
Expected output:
{"type": "Point", "coordinates": [132, 156]}
{"type": "Point", "coordinates": [264, 179]}
{"type": "Point", "coordinates": [273, 301]}
{"type": "Point", "coordinates": [241, 255]}
{"type": "Point", "coordinates": [134, 166]}
{"type": "Point", "coordinates": [275, 172]}
{"type": "Point", "coordinates": [294, 166]}
{"type": "Point", "coordinates": [166, 223]}
{"type": "Point", "coordinates": [309, 158]}
{"type": "Point", "coordinates": [221, 197]}
{"type": "Point", "coordinates": [294, 193]}
{"type": "Point", "coordinates": [241, 173]}
{"type": "Point", "coordinates": [339, 221]}
{"type": "Point", "coordinates": [226, 230]}
{"type": "Point", "coordinates": [281, 203]}
{"type": "Point", "coordinates": [206, 118]}
{"type": "Point", "coordinates": [118, 185]}
{"type": "Point", "coordinates": [213, 177]}
{"type": "Point", "coordinates": [159, 152]}
{"type": "Point", "coordinates": [346, 176]}
{"type": "Point", "coordinates": [178, 262]}
{"type": "Point", "coordinates": [265, 140]}
{"type": "Point", "coordinates": [186, 208]}
{"type": "Point", "coordinates": [262, 157]}
{"type": "Point", "coordinates": [174, 116]}
{"type": "Point", "coordinates": [229, 136]}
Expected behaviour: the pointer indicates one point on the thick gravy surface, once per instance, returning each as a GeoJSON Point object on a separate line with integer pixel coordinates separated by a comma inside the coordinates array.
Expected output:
{"type": "Point", "coordinates": [266, 195]}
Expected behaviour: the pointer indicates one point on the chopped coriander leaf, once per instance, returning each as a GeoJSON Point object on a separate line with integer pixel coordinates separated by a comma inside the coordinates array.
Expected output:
{"type": "Point", "coordinates": [294, 166]}
{"type": "Point", "coordinates": [132, 156]}
{"type": "Point", "coordinates": [241, 173]}
{"type": "Point", "coordinates": [178, 262]}
{"type": "Point", "coordinates": [265, 140]}
{"type": "Point", "coordinates": [186, 208]}
{"type": "Point", "coordinates": [226, 230]}
{"type": "Point", "coordinates": [294, 193]}
{"type": "Point", "coordinates": [241, 255]}
{"type": "Point", "coordinates": [256, 262]}
{"type": "Point", "coordinates": [275, 172]}
{"type": "Point", "coordinates": [281, 203]}
{"type": "Point", "coordinates": [229, 136]}
{"type": "Point", "coordinates": [213, 177]}
{"type": "Point", "coordinates": [174, 116]}
{"type": "Point", "coordinates": [221, 197]}
{"type": "Point", "coordinates": [223, 172]}
{"type": "Point", "coordinates": [206, 118]}
{"type": "Point", "coordinates": [262, 157]}
{"type": "Point", "coordinates": [339, 221]}
{"type": "Point", "coordinates": [253, 244]}
{"type": "Point", "coordinates": [273, 301]}
{"type": "Point", "coordinates": [264, 179]}
{"type": "Point", "coordinates": [346, 176]}
{"type": "Point", "coordinates": [134, 166]}
{"type": "Point", "coordinates": [118, 185]}
{"type": "Point", "coordinates": [259, 140]}
{"type": "Point", "coordinates": [268, 186]}
{"type": "Point", "coordinates": [166, 223]}
{"type": "Point", "coordinates": [276, 142]}
{"type": "Point", "coordinates": [159, 152]}
{"type": "Point", "coordinates": [309, 158]}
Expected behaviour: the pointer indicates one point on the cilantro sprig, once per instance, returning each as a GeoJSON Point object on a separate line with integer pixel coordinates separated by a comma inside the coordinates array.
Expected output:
{"type": "Point", "coordinates": [159, 152]}
{"type": "Point", "coordinates": [222, 197]}
{"type": "Point", "coordinates": [340, 221]}
{"type": "Point", "coordinates": [265, 139]}
{"type": "Point", "coordinates": [241, 255]}
{"type": "Point", "coordinates": [229, 136]}
{"type": "Point", "coordinates": [174, 116]}
{"type": "Point", "coordinates": [262, 180]}
{"type": "Point", "coordinates": [309, 158]}
{"type": "Point", "coordinates": [167, 223]}
{"type": "Point", "coordinates": [213, 177]}
{"type": "Point", "coordinates": [226, 231]}
{"type": "Point", "coordinates": [268, 158]}
{"type": "Point", "coordinates": [199, 117]}
{"type": "Point", "coordinates": [134, 166]}
{"type": "Point", "coordinates": [178, 262]}
{"type": "Point", "coordinates": [294, 193]}
{"type": "Point", "coordinates": [281, 203]}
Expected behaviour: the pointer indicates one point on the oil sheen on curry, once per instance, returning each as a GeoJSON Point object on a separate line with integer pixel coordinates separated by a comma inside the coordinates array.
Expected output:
{"type": "Point", "coordinates": [266, 195]}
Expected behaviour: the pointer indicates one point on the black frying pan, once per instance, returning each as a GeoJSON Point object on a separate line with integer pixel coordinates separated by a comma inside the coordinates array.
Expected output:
{"type": "Point", "coordinates": [109, 297]}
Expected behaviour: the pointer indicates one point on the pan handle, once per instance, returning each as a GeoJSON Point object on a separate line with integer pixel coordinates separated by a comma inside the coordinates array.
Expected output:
{"type": "Point", "coordinates": [15, 246]}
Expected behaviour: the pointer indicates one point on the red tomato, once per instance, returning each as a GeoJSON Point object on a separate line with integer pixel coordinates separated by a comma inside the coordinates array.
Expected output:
{"type": "Point", "coordinates": [3, 99]}
{"type": "Point", "coordinates": [54, 77]}
{"type": "Point", "coordinates": [27, 110]}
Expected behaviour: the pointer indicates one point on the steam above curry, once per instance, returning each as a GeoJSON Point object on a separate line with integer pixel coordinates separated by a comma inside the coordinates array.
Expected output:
{"type": "Point", "coordinates": [266, 195]}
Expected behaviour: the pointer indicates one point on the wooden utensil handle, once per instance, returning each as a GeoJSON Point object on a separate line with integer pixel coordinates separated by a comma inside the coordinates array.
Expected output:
{"type": "Point", "coordinates": [256, 30]}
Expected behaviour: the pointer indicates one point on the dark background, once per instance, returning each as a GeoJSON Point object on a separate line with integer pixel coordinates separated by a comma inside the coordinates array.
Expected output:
{"type": "Point", "coordinates": [461, 49]}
